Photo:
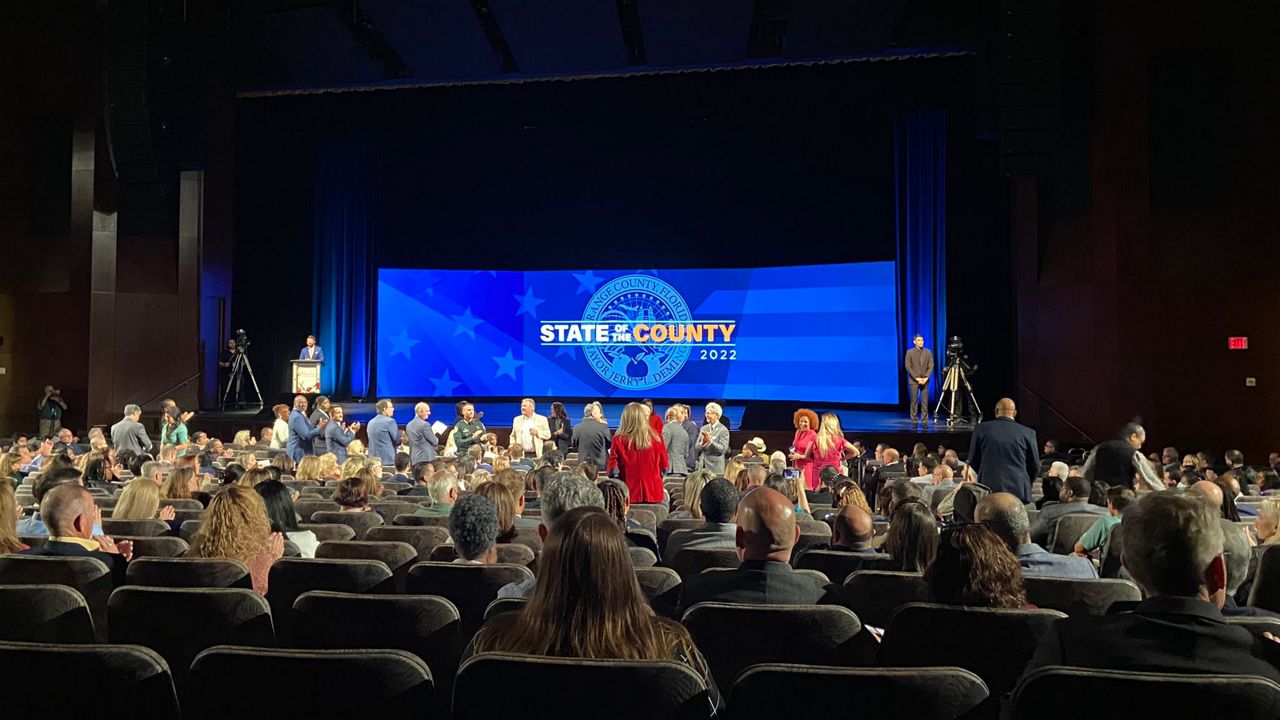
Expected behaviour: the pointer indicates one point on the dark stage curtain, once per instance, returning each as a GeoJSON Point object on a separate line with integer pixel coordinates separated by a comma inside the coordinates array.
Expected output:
{"type": "Point", "coordinates": [346, 212]}
{"type": "Point", "coordinates": [920, 200]}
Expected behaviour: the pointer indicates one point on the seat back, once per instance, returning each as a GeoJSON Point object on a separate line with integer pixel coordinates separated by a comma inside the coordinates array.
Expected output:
{"type": "Point", "coordinates": [1265, 593]}
{"type": "Point", "coordinates": [837, 564]}
{"type": "Point", "coordinates": [306, 507]}
{"type": "Point", "coordinates": [661, 587]}
{"type": "Point", "coordinates": [165, 547]}
{"type": "Point", "coordinates": [397, 556]}
{"type": "Point", "coordinates": [392, 508]}
{"type": "Point", "coordinates": [360, 522]}
{"type": "Point", "coordinates": [994, 644]}
{"type": "Point", "coordinates": [874, 594]}
{"type": "Point", "coordinates": [440, 521]}
{"type": "Point", "coordinates": [670, 525]}
{"type": "Point", "coordinates": [515, 554]}
{"type": "Point", "coordinates": [813, 634]}
{"type": "Point", "coordinates": [188, 528]}
{"type": "Point", "coordinates": [642, 557]}
{"type": "Point", "coordinates": [179, 623]}
{"type": "Point", "coordinates": [44, 614]}
{"type": "Point", "coordinates": [1257, 625]}
{"type": "Point", "coordinates": [135, 528]}
{"type": "Point", "coordinates": [653, 688]}
{"type": "Point", "coordinates": [660, 511]}
{"type": "Point", "coordinates": [106, 676]}
{"type": "Point", "coordinates": [504, 605]}
{"type": "Point", "coordinates": [329, 532]}
{"type": "Point", "coordinates": [469, 587]}
{"type": "Point", "coordinates": [1054, 693]}
{"type": "Point", "coordinates": [645, 517]}
{"type": "Point", "coordinates": [1079, 597]}
{"type": "Point", "coordinates": [290, 577]}
{"type": "Point", "coordinates": [300, 683]}
{"type": "Point", "coordinates": [1067, 531]}
{"type": "Point", "coordinates": [816, 533]}
{"type": "Point", "coordinates": [423, 539]}
{"type": "Point", "coordinates": [189, 572]}
{"type": "Point", "coordinates": [774, 690]}
{"type": "Point", "coordinates": [87, 576]}
{"type": "Point", "coordinates": [692, 561]}
{"type": "Point", "coordinates": [1112, 551]}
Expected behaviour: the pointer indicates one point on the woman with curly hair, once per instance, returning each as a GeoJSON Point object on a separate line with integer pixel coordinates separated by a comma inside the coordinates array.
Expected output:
{"type": "Point", "coordinates": [588, 604]}
{"type": "Point", "coordinates": [846, 492]}
{"type": "Point", "coordinates": [352, 466]}
{"type": "Point", "coordinates": [309, 469]}
{"type": "Point", "coordinates": [236, 527]}
{"type": "Point", "coordinates": [805, 422]}
{"type": "Point", "coordinates": [975, 568]}
{"type": "Point", "coordinates": [912, 540]}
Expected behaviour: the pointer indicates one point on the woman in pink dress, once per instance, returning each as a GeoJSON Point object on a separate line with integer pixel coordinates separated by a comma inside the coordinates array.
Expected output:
{"type": "Point", "coordinates": [806, 424]}
{"type": "Point", "coordinates": [829, 447]}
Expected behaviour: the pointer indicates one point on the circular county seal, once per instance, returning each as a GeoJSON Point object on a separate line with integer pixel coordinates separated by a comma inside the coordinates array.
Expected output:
{"type": "Point", "coordinates": [621, 304]}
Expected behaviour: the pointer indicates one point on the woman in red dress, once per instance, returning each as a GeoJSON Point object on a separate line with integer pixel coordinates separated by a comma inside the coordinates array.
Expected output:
{"type": "Point", "coordinates": [829, 447]}
{"type": "Point", "coordinates": [639, 455]}
{"type": "Point", "coordinates": [806, 424]}
{"type": "Point", "coordinates": [655, 421]}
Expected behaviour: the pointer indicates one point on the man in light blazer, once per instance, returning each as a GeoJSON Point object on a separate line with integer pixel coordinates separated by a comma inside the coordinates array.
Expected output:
{"type": "Point", "coordinates": [713, 441]}
{"type": "Point", "coordinates": [312, 351]}
{"type": "Point", "coordinates": [529, 429]}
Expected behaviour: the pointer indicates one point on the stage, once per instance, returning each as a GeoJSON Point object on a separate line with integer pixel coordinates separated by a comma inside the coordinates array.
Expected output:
{"type": "Point", "coordinates": [869, 426]}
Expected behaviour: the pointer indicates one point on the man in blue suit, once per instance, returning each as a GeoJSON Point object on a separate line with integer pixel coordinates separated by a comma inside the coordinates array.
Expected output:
{"type": "Point", "coordinates": [302, 433]}
{"type": "Point", "coordinates": [384, 433]}
{"type": "Point", "coordinates": [422, 439]}
{"type": "Point", "coordinates": [1004, 453]}
{"type": "Point", "coordinates": [337, 437]}
{"type": "Point", "coordinates": [312, 351]}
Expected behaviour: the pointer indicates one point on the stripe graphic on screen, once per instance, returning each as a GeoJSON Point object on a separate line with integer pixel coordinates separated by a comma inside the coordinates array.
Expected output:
{"type": "Point", "coordinates": [805, 333]}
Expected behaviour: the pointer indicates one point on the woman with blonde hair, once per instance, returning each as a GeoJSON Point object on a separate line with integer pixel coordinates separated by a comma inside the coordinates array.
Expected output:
{"type": "Point", "coordinates": [352, 467]}
{"type": "Point", "coordinates": [283, 462]}
{"type": "Point", "coordinates": [806, 424]}
{"type": "Point", "coordinates": [309, 469]}
{"type": "Point", "coordinates": [236, 527]}
{"type": "Point", "coordinates": [254, 477]}
{"type": "Point", "coordinates": [247, 460]}
{"type": "Point", "coordinates": [1268, 523]}
{"type": "Point", "coordinates": [846, 492]}
{"type": "Point", "coordinates": [639, 455]}
{"type": "Point", "coordinates": [829, 448]}
{"type": "Point", "coordinates": [9, 514]}
{"type": "Point", "coordinates": [329, 469]}
{"type": "Point", "coordinates": [506, 503]}
{"type": "Point", "coordinates": [11, 467]}
{"type": "Point", "coordinates": [735, 472]}
{"type": "Point", "coordinates": [242, 438]}
{"type": "Point", "coordinates": [140, 500]}
{"type": "Point", "coordinates": [693, 485]}
{"type": "Point", "coordinates": [355, 448]}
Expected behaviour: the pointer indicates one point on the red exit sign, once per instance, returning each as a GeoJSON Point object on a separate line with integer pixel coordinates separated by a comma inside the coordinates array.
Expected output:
{"type": "Point", "coordinates": [1238, 343]}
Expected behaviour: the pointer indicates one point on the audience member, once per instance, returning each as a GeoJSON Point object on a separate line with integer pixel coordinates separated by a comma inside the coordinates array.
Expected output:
{"type": "Point", "coordinates": [912, 540]}
{"type": "Point", "coordinates": [1004, 453]}
{"type": "Point", "coordinates": [236, 527]}
{"type": "Point", "coordinates": [638, 455]}
{"type": "Point", "coordinates": [846, 492]}
{"type": "Point", "coordinates": [975, 568]}
{"type": "Point", "coordinates": [851, 531]}
{"type": "Point", "coordinates": [1237, 554]}
{"type": "Point", "coordinates": [1007, 518]}
{"type": "Point", "coordinates": [443, 489]}
{"type": "Point", "coordinates": [767, 532]}
{"type": "Point", "coordinates": [128, 433]}
{"type": "Point", "coordinates": [1073, 499]}
{"type": "Point", "coordinates": [1173, 549]}
{"type": "Point", "coordinates": [278, 499]}
{"type": "Point", "coordinates": [140, 500]}
{"type": "Point", "coordinates": [901, 491]}
{"type": "Point", "coordinates": [10, 512]}
{"type": "Point", "coordinates": [693, 484]}
{"type": "Point", "coordinates": [941, 484]}
{"type": "Point", "coordinates": [718, 505]}
{"type": "Point", "coordinates": [506, 507]}
{"type": "Point", "coordinates": [1096, 537]}
{"type": "Point", "coordinates": [473, 524]}
{"type": "Point", "coordinates": [1118, 461]}
{"type": "Point", "coordinates": [1268, 524]}
{"type": "Point", "coordinates": [73, 520]}
{"type": "Point", "coordinates": [34, 525]}
{"type": "Point", "coordinates": [564, 492]}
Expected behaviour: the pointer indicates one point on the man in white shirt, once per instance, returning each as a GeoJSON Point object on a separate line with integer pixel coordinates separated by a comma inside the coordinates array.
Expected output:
{"type": "Point", "coordinates": [529, 429]}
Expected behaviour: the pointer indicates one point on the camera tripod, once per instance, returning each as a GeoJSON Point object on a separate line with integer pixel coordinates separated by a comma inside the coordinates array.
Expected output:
{"type": "Point", "coordinates": [954, 378]}
{"type": "Point", "coordinates": [240, 366]}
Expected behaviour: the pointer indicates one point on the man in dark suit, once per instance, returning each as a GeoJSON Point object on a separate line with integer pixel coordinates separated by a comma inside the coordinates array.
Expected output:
{"type": "Point", "coordinates": [71, 515]}
{"type": "Point", "coordinates": [591, 436]}
{"type": "Point", "coordinates": [422, 439]}
{"type": "Point", "coordinates": [129, 434]}
{"type": "Point", "coordinates": [321, 412]}
{"type": "Point", "coordinates": [767, 532]}
{"type": "Point", "coordinates": [1173, 548]}
{"type": "Point", "coordinates": [383, 432]}
{"type": "Point", "coordinates": [1004, 453]}
{"type": "Point", "coordinates": [302, 433]}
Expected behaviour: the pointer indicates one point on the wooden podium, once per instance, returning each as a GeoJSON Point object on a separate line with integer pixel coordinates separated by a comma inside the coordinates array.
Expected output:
{"type": "Point", "coordinates": [306, 376]}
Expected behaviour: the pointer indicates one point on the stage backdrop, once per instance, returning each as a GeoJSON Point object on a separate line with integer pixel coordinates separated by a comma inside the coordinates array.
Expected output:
{"type": "Point", "coordinates": [807, 333]}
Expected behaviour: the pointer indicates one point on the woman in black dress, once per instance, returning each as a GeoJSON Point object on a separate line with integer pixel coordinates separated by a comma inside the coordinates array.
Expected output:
{"type": "Point", "coordinates": [561, 428]}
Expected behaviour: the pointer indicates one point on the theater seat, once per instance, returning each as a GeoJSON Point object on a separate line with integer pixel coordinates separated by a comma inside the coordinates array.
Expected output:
{"type": "Point", "coordinates": [290, 577]}
{"type": "Point", "coordinates": [423, 539]}
{"type": "Point", "coordinates": [441, 521]}
{"type": "Point", "coordinates": [189, 572]}
{"type": "Point", "coordinates": [469, 587]}
{"type": "Point", "coordinates": [504, 605]}
{"type": "Point", "coordinates": [44, 614]}
{"type": "Point", "coordinates": [1265, 593]}
{"type": "Point", "coordinates": [135, 528]}
{"type": "Point", "coordinates": [642, 557]}
{"type": "Point", "coordinates": [661, 587]}
{"type": "Point", "coordinates": [1060, 693]}
{"type": "Point", "coordinates": [809, 634]}
{"type": "Point", "coordinates": [397, 556]}
{"type": "Point", "coordinates": [306, 507]}
{"type": "Point", "coordinates": [155, 546]}
{"type": "Point", "coordinates": [1079, 597]}
{"type": "Point", "coordinates": [837, 564]}
{"type": "Point", "coordinates": [308, 684]}
{"type": "Point", "coordinates": [1068, 530]}
{"type": "Point", "coordinates": [772, 691]}
{"type": "Point", "coordinates": [109, 681]}
{"type": "Point", "coordinates": [873, 595]}
{"type": "Point", "coordinates": [328, 532]}
{"type": "Point", "coordinates": [87, 576]}
{"type": "Point", "coordinates": [563, 687]}
{"type": "Point", "coordinates": [360, 522]}
{"type": "Point", "coordinates": [692, 561]}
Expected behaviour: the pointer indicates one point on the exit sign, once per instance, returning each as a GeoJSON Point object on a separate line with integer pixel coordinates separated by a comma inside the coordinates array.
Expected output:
{"type": "Point", "coordinates": [1238, 343]}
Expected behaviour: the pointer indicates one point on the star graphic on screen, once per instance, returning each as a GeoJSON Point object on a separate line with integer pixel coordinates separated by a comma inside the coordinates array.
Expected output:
{"type": "Point", "coordinates": [400, 344]}
{"type": "Point", "coordinates": [444, 384]}
{"type": "Point", "coordinates": [466, 323]}
{"type": "Point", "coordinates": [425, 284]}
{"type": "Point", "coordinates": [492, 273]}
{"type": "Point", "coordinates": [569, 350]}
{"type": "Point", "coordinates": [507, 365]}
{"type": "Point", "coordinates": [528, 303]}
{"type": "Point", "coordinates": [587, 282]}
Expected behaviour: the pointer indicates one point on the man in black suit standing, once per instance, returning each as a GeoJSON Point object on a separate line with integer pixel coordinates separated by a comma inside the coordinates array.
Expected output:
{"type": "Point", "coordinates": [591, 437]}
{"type": "Point", "coordinates": [321, 412]}
{"type": "Point", "coordinates": [1173, 548]}
{"type": "Point", "coordinates": [918, 363]}
{"type": "Point", "coordinates": [767, 532]}
{"type": "Point", "coordinates": [1004, 453]}
{"type": "Point", "coordinates": [71, 514]}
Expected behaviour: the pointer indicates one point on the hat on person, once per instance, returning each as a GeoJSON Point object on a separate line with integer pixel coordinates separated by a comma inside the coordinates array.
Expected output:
{"type": "Point", "coordinates": [757, 444]}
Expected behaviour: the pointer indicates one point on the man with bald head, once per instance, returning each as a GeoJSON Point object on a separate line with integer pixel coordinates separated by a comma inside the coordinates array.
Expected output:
{"type": "Point", "coordinates": [71, 515]}
{"type": "Point", "coordinates": [1211, 492]}
{"type": "Point", "coordinates": [1004, 453]}
{"type": "Point", "coordinates": [852, 531]}
{"type": "Point", "coordinates": [1006, 516]}
{"type": "Point", "coordinates": [767, 532]}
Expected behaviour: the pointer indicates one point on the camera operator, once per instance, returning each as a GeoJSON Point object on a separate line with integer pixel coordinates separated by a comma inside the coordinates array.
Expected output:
{"type": "Point", "coordinates": [225, 360]}
{"type": "Point", "coordinates": [919, 366]}
{"type": "Point", "coordinates": [51, 407]}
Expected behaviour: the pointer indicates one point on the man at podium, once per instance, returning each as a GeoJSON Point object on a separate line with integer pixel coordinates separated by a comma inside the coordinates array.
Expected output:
{"type": "Point", "coordinates": [312, 351]}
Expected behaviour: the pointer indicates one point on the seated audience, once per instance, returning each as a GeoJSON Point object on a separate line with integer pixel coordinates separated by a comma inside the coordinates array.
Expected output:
{"type": "Point", "coordinates": [565, 491]}
{"type": "Point", "coordinates": [1237, 554]}
{"type": "Point", "coordinates": [183, 484]}
{"type": "Point", "coordinates": [10, 512]}
{"type": "Point", "coordinates": [718, 504]}
{"type": "Point", "coordinates": [255, 477]}
{"type": "Point", "coordinates": [34, 525]}
{"type": "Point", "coordinates": [514, 482]}
{"type": "Point", "coordinates": [852, 531]}
{"type": "Point", "coordinates": [1050, 489]}
{"type": "Point", "coordinates": [473, 524]}
{"type": "Point", "coordinates": [352, 495]}
{"type": "Point", "coordinates": [1268, 524]}
{"type": "Point", "coordinates": [1095, 538]}
{"type": "Point", "coordinates": [278, 499]}
{"type": "Point", "coordinates": [767, 532]}
{"type": "Point", "coordinates": [73, 519]}
{"type": "Point", "coordinates": [846, 492]}
{"type": "Point", "coordinates": [1006, 516]}
{"type": "Point", "coordinates": [587, 603]}
{"type": "Point", "coordinates": [236, 527]}
{"type": "Point", "coordinates": [1173, 549]}
{"type": "Point", "coordinates": [899, 492]}
{"type": "Point", "coordinates": [140, 500]}
{"type": "Point", "coordinates": [693, 484]}
{"type": "Point", "coordinates": [912, 540]}
{"type": "Point", "coordinates": [443, 489]}
{"type": "Point", "coordinates": [793, 489]}
{"type": "Point", "coordinates": [976, 569]}
{"type": "Point", "coordinates": [1072, 499]}
{"type": "Point", "coordinates": [941, 484]}
{"type": "Point", "coordinates": [506, 508]}
{"type": "Point", "coordinates": [231, 474]}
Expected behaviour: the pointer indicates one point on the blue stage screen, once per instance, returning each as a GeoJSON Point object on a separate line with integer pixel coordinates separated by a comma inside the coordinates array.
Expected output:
{"type": "Point", "coordinates": [824, 333]}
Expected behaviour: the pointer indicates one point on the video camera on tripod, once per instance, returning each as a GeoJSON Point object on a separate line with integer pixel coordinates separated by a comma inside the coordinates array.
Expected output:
{"type": "Point", "coordinates": [240, 366]}
{"type": "Point", "coordinates": [957, 356]}
{"type": "Point", "coordinates": [956, 390]}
